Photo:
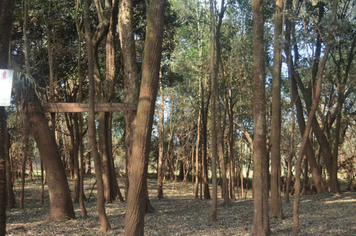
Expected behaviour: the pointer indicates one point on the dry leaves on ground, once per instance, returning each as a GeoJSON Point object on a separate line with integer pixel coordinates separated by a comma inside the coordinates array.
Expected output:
{"type": "Point", "coordinates": [179, 213]}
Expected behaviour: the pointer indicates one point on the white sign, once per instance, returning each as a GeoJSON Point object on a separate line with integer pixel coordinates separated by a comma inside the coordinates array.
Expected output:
{"type": "Point", "coordinates": [5, 86]}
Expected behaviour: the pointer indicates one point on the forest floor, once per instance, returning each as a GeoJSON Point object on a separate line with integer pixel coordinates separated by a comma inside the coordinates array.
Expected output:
{"type": "Point", "coordinates": [179, 213]}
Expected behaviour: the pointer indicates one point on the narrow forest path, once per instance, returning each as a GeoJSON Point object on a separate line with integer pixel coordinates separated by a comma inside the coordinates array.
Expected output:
{"type": "Point", "coordinates": [180, 214]}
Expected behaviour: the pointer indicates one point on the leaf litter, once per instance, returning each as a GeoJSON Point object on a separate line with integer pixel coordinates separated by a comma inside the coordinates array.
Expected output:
{"type": "Point", "coordinates": [179, 213]}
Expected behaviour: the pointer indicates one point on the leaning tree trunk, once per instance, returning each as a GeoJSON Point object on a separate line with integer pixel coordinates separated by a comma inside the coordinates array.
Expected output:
{"type": "Point", "coordinates": [59, 193]}
{"type": "Point", "coordinates": [137, 165]}
{"type": "Point", "coordinates": [311, 116]}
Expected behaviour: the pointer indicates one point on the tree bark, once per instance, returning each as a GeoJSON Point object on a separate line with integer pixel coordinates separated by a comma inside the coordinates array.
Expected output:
{"type": "Point", "coordinates": [137, 164]}
{"type": "Point", "coordinates": [311, 116]}
{"type": "Point", "coordinates": [214, 99]}
{"type": "Point", "coordinates": [276, 200]}
{"type": "Point", "coordinates": [105, 226]}
{"type": "Point", "coordinates": [260, 172]}
{"type": "Point", "coordinates": [131, 86]}
{"type": "Point", "coordinates": [60, 198]}
{"type": "Point", "coordinates": [219, 124]}
{"type": "Point", "coordinates": [5, 34]}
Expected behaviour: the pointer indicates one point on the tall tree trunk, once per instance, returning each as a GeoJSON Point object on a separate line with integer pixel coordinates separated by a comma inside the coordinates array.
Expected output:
{"type": "Point", "coordinates": [260, 170]}
{"type": "Point", "coordinates": [137, 165]}
{"type": "Point", "coordinates": [276, 200]}
{"type": "Point", "coordinates": [214, 99]}
{"type": "Point", "coordinates": [131, 86]}
{"type": "Point", "coordinates": [80, 116]}
{"type": "Point", "coordinates": [105, 226]}
{"type": "Point", "coordinates": [311, 116]}
{"type": "Point", "coordinates": [220, 124]}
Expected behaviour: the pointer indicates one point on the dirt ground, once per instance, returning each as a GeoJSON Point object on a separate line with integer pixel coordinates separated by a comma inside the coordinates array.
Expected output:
{"type": "Point", "coordinates": [179, 213]}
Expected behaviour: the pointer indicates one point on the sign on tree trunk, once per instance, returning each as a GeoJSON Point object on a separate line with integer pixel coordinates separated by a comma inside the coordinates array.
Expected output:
{"type": "Point", "coordinates": [5, 86]}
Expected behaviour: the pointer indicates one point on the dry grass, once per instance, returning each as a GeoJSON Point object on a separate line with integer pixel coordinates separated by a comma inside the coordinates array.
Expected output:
{"type": "Point", "coordinates": [179, 213]}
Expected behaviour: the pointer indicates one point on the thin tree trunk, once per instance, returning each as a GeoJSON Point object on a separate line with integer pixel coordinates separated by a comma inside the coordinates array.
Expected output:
{"type": "Point", "coordinates": [311, 116]}
{"type": "Point", "coordinates": [42, 183]}
{"type": "Point", "coordinates": [219, 130]}
{"type": "Point", "coordinates": [105, 226]}
{"type": "Point", "coordinates": [276, 201]}
{"type": "Point", "coordinates": [9, 184]}
{"type": "Point", "coordinates": [80, 116]}
{"type": "Point", "coordinates": [197, 156]}
{"type": "Point", "coordinates": [214, 94]}
{"type": "Point", "coordinates": [161, 146]}
{"type": "Point", "coordinates": [24, 160]}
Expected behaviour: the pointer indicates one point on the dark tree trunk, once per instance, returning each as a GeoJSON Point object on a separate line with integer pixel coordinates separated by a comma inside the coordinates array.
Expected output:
{"type": "Point", "coordinates": [137, 164]}
{"type": "Point", "coordinates": [6, 11]}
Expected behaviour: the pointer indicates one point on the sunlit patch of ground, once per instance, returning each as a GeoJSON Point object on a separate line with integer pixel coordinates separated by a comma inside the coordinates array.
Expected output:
{"type": "Point", "coordinates": [179, 213]}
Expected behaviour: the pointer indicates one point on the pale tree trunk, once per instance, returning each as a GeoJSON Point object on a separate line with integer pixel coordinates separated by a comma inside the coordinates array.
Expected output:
{"type": "Point", "coordinates": [219, 129]}
{"type": "Point", "coordinates": [105, 226]}
{"type": "Point", "coordinates": [131, 86]}
{"type": "Point", "coordinates": [24, 160]}
{"type": "Point", "coordinates": [260, 170]}
{"type": "Point", "coordinates": [137, 165]}
{"type": "Point", "coordinates": [160, 172]}
{"type": "Point", "coordinates": [214, 94]}
{"type": "Point", "coordinates": [231, 153]}
{"type": "Point", "coordinates": [276, 201]}
{"type": "Point", "coordinates": [311, 116]}
{"type": "Point", "coordinates": [196, 191]}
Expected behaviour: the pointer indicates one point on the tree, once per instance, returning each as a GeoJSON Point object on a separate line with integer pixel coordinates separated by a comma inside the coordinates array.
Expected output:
{"type": "Point", "coordinates": [105, 226]}
{"type": "Point", "coordinates": [137, 165]}
{"type": "Point", "coordinates": [260, 159]}
{"type": "Point", "coordinates": [5, 33]}
{"type": "Point", "coordinates": [276, 201]}
{"type": "Point", "coordinates": [311, 117]}
{"type": "Point", "coordinates": [214, 100]}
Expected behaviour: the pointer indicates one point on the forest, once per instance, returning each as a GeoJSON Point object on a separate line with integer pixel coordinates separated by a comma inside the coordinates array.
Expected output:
{"type": "Point", "coordinates": [178, 117]}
